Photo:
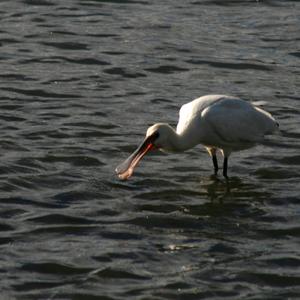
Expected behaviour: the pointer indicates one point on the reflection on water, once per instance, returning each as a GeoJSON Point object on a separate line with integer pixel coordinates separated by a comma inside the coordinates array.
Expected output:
{"type": "Point", "coordinates": [80, 82]}
{"type": "Point", "coordinates": [217, 189]}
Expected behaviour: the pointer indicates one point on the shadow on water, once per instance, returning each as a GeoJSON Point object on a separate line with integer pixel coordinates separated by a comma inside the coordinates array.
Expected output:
{"type": "Point", "coordinates": [186, 207]}
{"type": "Point", "coordinates": [220, 198]}
{"type": "Point", "coordinates": [234, 188]}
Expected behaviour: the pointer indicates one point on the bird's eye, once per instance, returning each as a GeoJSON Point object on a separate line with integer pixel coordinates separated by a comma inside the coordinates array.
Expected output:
{"type": "Point", "coordinates": [156, 135]}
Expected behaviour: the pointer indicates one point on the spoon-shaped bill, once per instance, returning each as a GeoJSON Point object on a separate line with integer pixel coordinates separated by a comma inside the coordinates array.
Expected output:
{"type": "Point", "coordinates": [125, 169]}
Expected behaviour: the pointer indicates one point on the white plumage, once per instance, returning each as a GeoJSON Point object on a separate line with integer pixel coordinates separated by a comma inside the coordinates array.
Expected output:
{"type": "Point", "coordinates": [224, 122]}
{"type": "Point", "coordinates": [218, 122]}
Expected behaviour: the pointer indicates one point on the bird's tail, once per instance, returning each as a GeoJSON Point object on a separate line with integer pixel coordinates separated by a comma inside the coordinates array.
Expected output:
{"type": "Point", "coordinates": [259, 103]}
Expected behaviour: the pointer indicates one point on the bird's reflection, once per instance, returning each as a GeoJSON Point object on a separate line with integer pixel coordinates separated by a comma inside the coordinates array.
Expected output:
{"type": "Point", "coordinates": [217, 195]}
{"type": "Point", "coordinates": [220, 189]}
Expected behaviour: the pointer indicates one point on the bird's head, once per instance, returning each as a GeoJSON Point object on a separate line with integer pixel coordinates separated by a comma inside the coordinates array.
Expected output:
{"type": "Point", "coordinates": [163, 136]}
{"type": "Point", "coordinates": [157, 137]}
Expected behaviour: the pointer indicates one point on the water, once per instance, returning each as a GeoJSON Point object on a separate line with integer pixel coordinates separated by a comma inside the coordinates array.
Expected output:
{"type": "Point", "coordinates": [80, 83]}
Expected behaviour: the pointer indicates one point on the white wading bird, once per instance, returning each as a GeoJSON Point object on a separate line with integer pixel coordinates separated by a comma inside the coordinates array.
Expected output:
{"type": "Point", "coordinates": [216, 121]}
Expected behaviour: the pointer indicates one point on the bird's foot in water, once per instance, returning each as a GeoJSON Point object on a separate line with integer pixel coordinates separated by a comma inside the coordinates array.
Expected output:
{"type": "Point", "coordinates": [223, 180]}
{"type": "Point", "coordinates": [215, 177]}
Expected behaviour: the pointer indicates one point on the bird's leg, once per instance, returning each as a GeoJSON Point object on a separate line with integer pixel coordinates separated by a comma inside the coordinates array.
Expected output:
{"type": "Point", "coordinates": [212, 153]}
{"type": "Point", "coordinates": [225, 165]}
{"type": "Point", "coordinates": [215, 162]}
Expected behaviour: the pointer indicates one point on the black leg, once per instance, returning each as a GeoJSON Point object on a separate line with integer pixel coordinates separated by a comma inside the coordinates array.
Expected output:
{"type": "Point", "coordinates": [215, 162]}
{"type": "Point", "coordinates": [225, 164]}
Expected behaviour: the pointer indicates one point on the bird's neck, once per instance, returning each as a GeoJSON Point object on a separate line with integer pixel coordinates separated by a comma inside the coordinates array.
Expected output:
{"type": "Point", "coordinates": [177, 142]}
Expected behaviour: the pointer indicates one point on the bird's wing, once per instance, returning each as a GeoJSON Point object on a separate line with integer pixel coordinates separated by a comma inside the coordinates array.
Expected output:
{"type": "Point", "coordinates": [236, 121]}
{"type": "Point", "coordinates": [185, 116]}
{"type": "Point", "coordinates": [190, 111]}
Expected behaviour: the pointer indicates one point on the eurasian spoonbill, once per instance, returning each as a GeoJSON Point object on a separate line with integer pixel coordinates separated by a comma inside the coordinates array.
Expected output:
{"type": "Point", "coordinates": [218, 122]}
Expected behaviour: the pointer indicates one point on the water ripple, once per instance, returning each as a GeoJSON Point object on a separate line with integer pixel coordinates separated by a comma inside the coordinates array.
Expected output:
{"type": "Point", "coordinates": [81, 81]}
{"type": "Point", "coordinates": [39, 93]}
{"type": "Point", "coordinates": [231, 65]}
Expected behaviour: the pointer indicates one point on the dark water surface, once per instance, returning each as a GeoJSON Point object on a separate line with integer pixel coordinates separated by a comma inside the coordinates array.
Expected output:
{"type": "Point", "coordinates": [80, 82]}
